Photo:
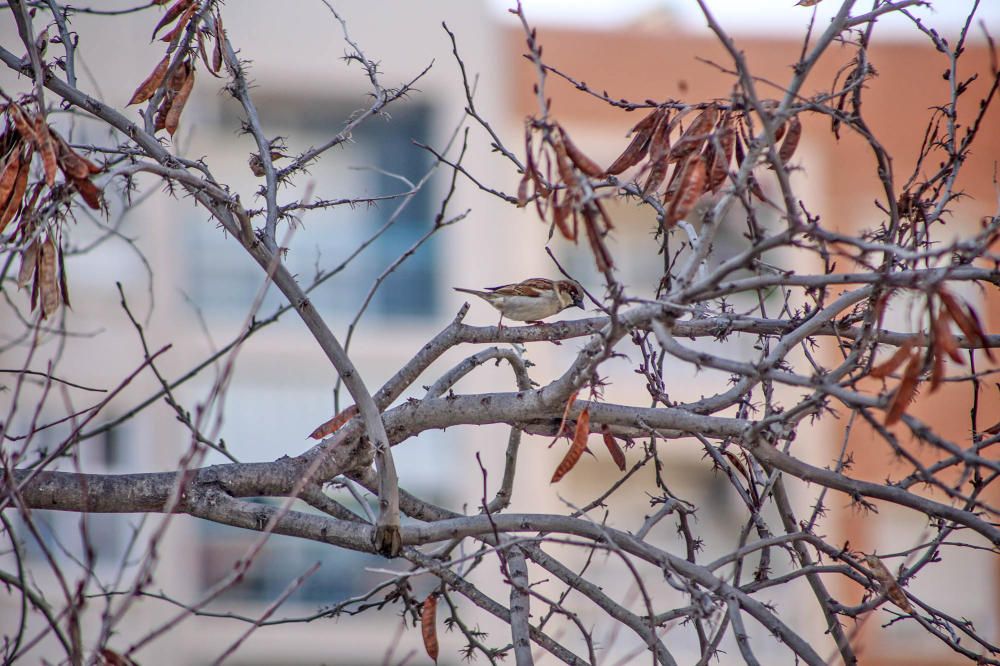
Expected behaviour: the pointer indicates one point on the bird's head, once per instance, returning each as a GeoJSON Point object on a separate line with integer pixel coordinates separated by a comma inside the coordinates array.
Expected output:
{"type": "Point", "coordinates": [570, 293]}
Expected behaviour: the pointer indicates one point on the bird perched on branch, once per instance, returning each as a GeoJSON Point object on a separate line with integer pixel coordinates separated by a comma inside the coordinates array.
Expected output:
{"type": "Point", "coordinates": [531, 300]}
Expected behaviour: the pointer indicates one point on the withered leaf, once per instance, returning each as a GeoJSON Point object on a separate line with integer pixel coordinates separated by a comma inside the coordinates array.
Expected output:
{"type": "Point", "coordinates": [721, 158]}
{"type": "Point", "coordinates": [9, 210]}
{"type": "Point", "coordinates": [791, 140]}
{"type": "Point", "coordinates": [579, 159]}
{"type": "Point", "coordinates": [91, 193]}
{"type": "Point", "coordinates": [21, 123]}
{"type": "Point", "coordinates": [906, 390]}
{"type": "Point", "coordinates": [560, 210]}
{"type": "Point", "coordinates": [657, 172]}
{"type": "Point", "coordinates": [648, 122]}
{"type": "Point", "coordinates": [428, 626]}
{"type": "Point", "coordinates": [63, 282]}
{"type": "Point", "coordinates": [617, 455]}
{"type": "Point", "coordinates": [29, 258]}
{"type": "Point", "coordinates": [572, 456]}
{"type": "Point", "coordinates": [48, 283]}
{"type": "Point", "coordinates": [966, 320]}
{"type": "Point", "coordinates": [217, 50]}
{"type": "Point", "coordinates": [659, 142]}
{"type": "Point", "coordinates": [9, 175]}
{"type": "Point", "coordinates": [695, 135]}
{"type": "Point", "coordinates": [72, 164]}
{"type": "Point", "coordinates": [173, 115]}
{"type": "Point", "coordinates": [181, 23]}
{"type": "Point", "coordinates": [883, 370]}
{"type": "Point", "coordinates": [601, 254]}
{"type": "Point", "coordinates": [46, 149]}
{"type": "Point", "coordinates": [148, 87]}
{"type": "Point", "coordinates": [172, 13]}
{"type": "Point", "coordinates": [335, 424]}
{"type": "Point", "coordinates": [944, 340]}
{"type": "Point", "coordinates": [690, 189]}
{"type": "Point", "coordinates": [639, 145]}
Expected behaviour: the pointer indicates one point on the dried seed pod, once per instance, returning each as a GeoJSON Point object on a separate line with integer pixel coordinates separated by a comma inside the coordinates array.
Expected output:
{"type": "Point", "coordinates": [907, 389]}
{"type": "Point", "coordinates": [695, 135]}
{"type": "Point", "coordinates": [883, 370]}
{"type": "Point", "coordinates": [580, 435]}
{"type": "Point", "coordinates": [428, 626]}
{"type": "Point", "coordinates": [617, 455]}
{"type": "Point", "coordinates": [579, 159]}
{"type": "Point", "coordinates": [690, 188]}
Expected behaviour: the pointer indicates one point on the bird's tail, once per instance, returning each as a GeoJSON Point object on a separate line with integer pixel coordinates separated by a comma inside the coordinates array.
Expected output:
{"type": "Point", "coordinates": [474, 292]}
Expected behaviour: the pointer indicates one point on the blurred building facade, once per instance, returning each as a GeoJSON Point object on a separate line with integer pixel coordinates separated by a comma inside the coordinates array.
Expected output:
{"type": "Point", "coordinates": [202, 287]}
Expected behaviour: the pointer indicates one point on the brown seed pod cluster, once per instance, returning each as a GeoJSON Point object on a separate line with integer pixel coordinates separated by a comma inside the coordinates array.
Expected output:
{"type": "Point", "coordinates": [698, 159]}
{"type": "Point", "coordinates": [23, 136]}
{"type": "Point", "coordinates": [943, 310]}
{"type": "Point", "coordinates": [178, 86]}
{"type": "Point", "coordinates": [567, 191]}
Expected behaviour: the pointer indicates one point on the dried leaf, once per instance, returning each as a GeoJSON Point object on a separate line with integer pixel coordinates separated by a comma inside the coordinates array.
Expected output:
{"type": "Point", "coordinates": [335, 424]}
{"type": "Point", "coordinates": [617, 455]}
{"type": "Point", "coordinates": [173, 115]}
{"type": "Point", "coordinates": [888, 583]}
{"type": "Point", "coordinates": [719, 170]}
{"type": "Point", "coordinates": [48, 283]}
{"type": "Point", "coordinates": [639, 145]}
{"type": "Point", "coordinates": [604, 215]}
{"type": "Point", "coordinates": [71, 163]}
{"type": "Point", "coordinates": [791, 141]}
{"type": "Point", "coordinates": [26, 223]}
{"type": "Point", "coordinates": [181, 23]}
{"type": "Point", "coordinates": [579, 159]}
{"type": "Point", "coordinates": [203, 52]}
{"type": "Point", "coordinates": [580, 436]}
{"type": "Point", "coordinates": [90, 192]}
{"type": "Point", "coordinates": [564, 165]}
{"type": "Point", "coordinates": [695, 135]}
{"type": "Point", "coordinates": [752, 183]}
{"type": "Point", "coordinates": [657, 173]}
{"type": "Point", "coordinates": [47, 150]}
{"type": "Point", "coordinates": [648, 122]}
{"type": "Point", "coordinates": [217, 50]}
{"type": "Point", "coordinates": [428, 626]}
{"type": "Point", "coordinates": [175, 10]}
{"type": "Point", "coordinates": [21, 123]}
{"type": "Point", "coordinates": [907, 389]}
{"type": "Point", "coordinates": [601, 254]}
{"type": "Point", "coordinates": [9, 175]}
{"type": "Point", "coordinates": [63, 282]}
{"type": "Point", "coordinates": [111, 658]}
{"type": "Point", "coordinates": [966, 319]}
{"type": "Point", "coordinates": [944, 340]}
{"type": "Point", "coordinates": [9, 210]}
{"type": "Point", "coordinates": [690, 189]}
{"type": "Point", "coordinates": [560, 209]}
{"type": "Point", "coordinates": [659, 142]}
{"type": "Point", "coordinates": [883, 370]}
{"type": "Point", "coordinates": [29, 259]}
{"type": "Point", "coordinates": [148, 87]}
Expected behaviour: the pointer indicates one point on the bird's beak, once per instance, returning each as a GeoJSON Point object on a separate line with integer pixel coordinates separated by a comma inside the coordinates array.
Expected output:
{"type": "Point", "coordinates": [579, 303]}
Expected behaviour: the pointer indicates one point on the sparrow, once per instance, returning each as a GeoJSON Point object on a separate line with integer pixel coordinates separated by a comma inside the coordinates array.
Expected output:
{"type": "Point", "coordinates": [531, 300]}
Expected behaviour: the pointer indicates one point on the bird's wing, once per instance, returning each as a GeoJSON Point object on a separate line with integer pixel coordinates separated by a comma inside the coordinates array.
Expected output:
{"type": "Point", "coordinates": [530, 287]}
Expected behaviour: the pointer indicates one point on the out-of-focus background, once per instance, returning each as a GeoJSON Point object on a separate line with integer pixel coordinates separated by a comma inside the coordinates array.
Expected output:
{"type": "Point", "coordinates": [198, 286]}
